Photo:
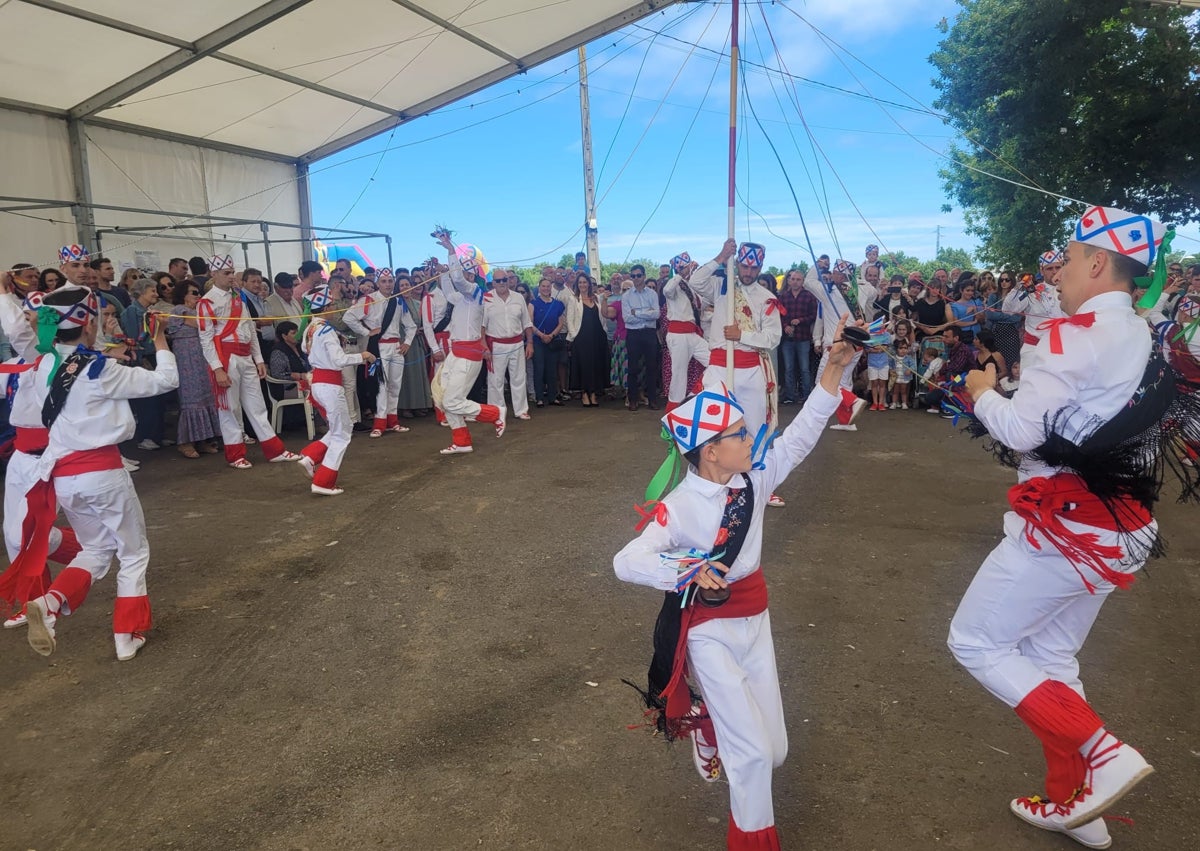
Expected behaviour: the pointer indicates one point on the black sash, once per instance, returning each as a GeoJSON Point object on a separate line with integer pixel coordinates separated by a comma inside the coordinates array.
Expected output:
{"type": "Point", "coordinates": [64, 379]}
{"type": "Point", "coordinates": [691, 301]}
{"type": "Point", "coordinates": [389, 313]}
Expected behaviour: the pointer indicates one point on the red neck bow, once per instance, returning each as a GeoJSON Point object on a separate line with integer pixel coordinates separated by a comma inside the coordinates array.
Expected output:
{"type": "Point", "coordinates": [1054, 326]}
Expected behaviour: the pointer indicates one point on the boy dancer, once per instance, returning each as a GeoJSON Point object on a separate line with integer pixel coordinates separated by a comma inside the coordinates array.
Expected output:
{"type": "Point", "coordinates": [83, 398]}
{"type": "Point", "coordinates": [322, 458]}
{"type": "Point", "coordinates": [1094, 412]}
{"type": "Point", "coordinates": [721, 637]}
{"type": "Point", "coordinates": [230, 345]}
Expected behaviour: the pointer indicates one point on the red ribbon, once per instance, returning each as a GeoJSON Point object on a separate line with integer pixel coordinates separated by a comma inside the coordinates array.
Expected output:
{"type": "Point", "coordinates": [652, 510]}
{"type": "Point", "coordinates": [773, 305]}
{"type": "Point", "coordinates": [1054, 326]}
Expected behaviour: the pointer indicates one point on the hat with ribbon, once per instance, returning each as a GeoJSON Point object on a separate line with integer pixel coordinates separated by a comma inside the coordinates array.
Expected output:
{"type": "Point", "coordinates": [844, 267]}
{"type": "Point", "coordinates": [702, 417]}
{"type": "Point", "coordinates": [751, 254]}
{"type": "Point", "coordinates": [679, 261]}
{"type": "Point", "coordinates": [1052, 257]}
{"type": "Point", "coordinates": [1135, 236]}
{"type": "Point", "coordinates": [315, 302]}
{"type": "Point", "coordinates": [73, 252]}
{"type": "Point", "coordinates": [218, 263]}
{"type": "Point", "coordinates": [52, 318]}
{"type": "Point", "coordinates": [33, 301]}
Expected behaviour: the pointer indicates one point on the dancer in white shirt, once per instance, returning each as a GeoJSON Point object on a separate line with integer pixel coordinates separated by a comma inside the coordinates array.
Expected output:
{"type": "Point", "coordinates": [684, 339]}
{"type": "Point", "coordinates": [383, 319]}
{"type": "Point", "coordinates": [508, 331]}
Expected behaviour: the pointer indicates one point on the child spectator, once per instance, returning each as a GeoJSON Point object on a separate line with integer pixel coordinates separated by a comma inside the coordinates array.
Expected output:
{"type": "Point", "coordinates": [878, 367]}
{"type": "Point", "coordinates": [931, 397]}
{"type": "Point", "coordinates": [1011, 382]}
{"type": "Point", "coordinates": [906, 365]}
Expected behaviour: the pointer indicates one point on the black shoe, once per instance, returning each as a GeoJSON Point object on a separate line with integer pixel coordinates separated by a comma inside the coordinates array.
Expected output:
{"type": "Point", "coordinates": [540, 403]}
{"type": "Point", "coordinates": [633, 406]}
{"type": "Point", "coordinates": [361, 427]}
{"type": "Point", "coordinates": [558, 403]}
{"type": "Point", "coordinates": [654, 406]}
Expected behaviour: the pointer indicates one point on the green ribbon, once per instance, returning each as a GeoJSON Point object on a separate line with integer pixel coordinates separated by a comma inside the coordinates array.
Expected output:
{"type": "Point", "coordinates": [669, 472]}
{"type": "Point", "coordinates": [47, 329]}
{"type": "Point", "coordinates": [1154, 283]}
{"type": "Point", "coordinates": [1187, 332]}
{"type": "Point", "coordinates": [305, 319]}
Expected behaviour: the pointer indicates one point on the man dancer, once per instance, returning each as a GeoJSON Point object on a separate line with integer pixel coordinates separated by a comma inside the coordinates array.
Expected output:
{"type": "Point", "coordinates": [436, 314]}
{"type": "Point", "coordinates": [467, 352]}
{"type": "Point", "coordinates": [230, 345]}
{"type": "Point", "coordinates": [684, 340]}
{"type": "Point", "coordinates": [322, 458]}
{"type": "Point", "coordinates": [509, 334]}
{"type": "Point", "coordinates": [1038, 303]}
{"type": "Point", "coordinates": [382, 318]}
{"type": "Point", "coordinates": [837, 299]}
{"type": "Point", "coordinates": [1080, 523]}
{"type": "Point", "coordinates": [755, 331]}
{"type": "Point", "coordinates": [83, 398]}
{"type": "Point", "coordinates": [721, 636]}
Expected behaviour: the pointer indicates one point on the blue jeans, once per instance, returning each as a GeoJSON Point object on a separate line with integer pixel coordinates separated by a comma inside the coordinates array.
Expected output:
{"type": "Point", "coordinates": [545, 371]}
{"type": "Point", "coordinates": [797, 364]}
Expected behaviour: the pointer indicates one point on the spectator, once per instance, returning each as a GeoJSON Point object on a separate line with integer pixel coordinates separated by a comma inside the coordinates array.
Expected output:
{"type": "Point", "coordinates": [128, 277]}
{"type": "Point", "coordinates": [149, 410]}
{"type": "Point", "coordinates": [618, 374]}
{"type": "Point", "coordinates": [941, 277]}
{"type": "Point", "coordinates": [879, 364]}
{"type": "Point", "coordinates": [200, 272]}
{"type": "Point", "coordinates": [415, 396]}
{"type": "Point", "coordinates": [906, 367]}
{"type": "Point", "coordinates": [1006, 326]}
{"type": "Point", "coordinates": [283, 303]}
{"type": "Point", "coordinates": [198, 426]}
{"type": "Point", "coordinates": [589, 351]}
{"type": "Point", "coordinates": [1011, 384]}
{"type": "Point", "coordinates": [178, 269]}
{"type": "Point", "coordinates": [959, 356]}
{"type": "Point", "coordinates": [985, 353]}
{"type": "Point", "coordinates": [664, 275]}
{"type": "Point", "coordinates": [253, 291]}
{"type": "Point", "coordinates": [966, 310]}
{"type": "Point", "coordinates": [902, 331]}
{"type": "Point", "coordinates": [103, 281]}
{"type": "Point", "coordinates": [894, 300]}
{"type": "Point", "coordinates": [640, 310]}
{"type": "Point", "coordinates": [930, 397]}
{"type": "Point", "coordinates": [548, 315]}
{"type": "Point", "coordinates": [795, 348]}
{"type": "Point", "coordinates": [931, 312]}
{"type": "Point", "coordinates": [50, 280]}
{"type": "Point", "coordinates": [164, 285]}
{"type": "Point", "coordinates": [25, 278]}
{"type": "Point", "coordinates": [581, 264]}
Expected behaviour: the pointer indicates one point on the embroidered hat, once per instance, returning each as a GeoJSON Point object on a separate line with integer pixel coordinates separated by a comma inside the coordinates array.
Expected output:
{"type": "Point", "coordinates": [844, 267]}
{"type": "Point", "coordinates": [219, 263]}
{"type": "Point", "coordinates": [1135, 236]}
{"type": "Point", "coordinates": [679, 261]}
{"type": "Point", "coordinates": [318, 298]}
{"type": "Point", "coordinates": [872, 247]}
{"type": "Point", "coordinates": [702, 417]}
{"type": "Point", "coordinates": [33, 301]}
{"type": "Point", "coordinates": [73, 252]}
{"type": "Point", "coordinates": [1050, 258]}
{"type": "Point", "coordinates": [751, 254]}
{"type": "Point", "coordinates": [472, 260]}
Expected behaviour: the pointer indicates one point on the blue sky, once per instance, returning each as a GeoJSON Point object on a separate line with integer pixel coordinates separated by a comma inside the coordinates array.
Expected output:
{"type": "Point", "coordinates": [503, 168]}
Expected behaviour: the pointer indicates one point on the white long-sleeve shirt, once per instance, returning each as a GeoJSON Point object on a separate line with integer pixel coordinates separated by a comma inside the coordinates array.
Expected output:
{"type": "Point", "coordinates": [764, 310]}
{"type": "Point", "coordinates": [16, 327]}
{"type": "Point", "coordinates": [433, 308]}
{"type": "Point", "coordinates": [696, 506]}
{"type": "Point", "coordinates": [467, 318]}
{"type": "Point", "coordinates": [505, 317]}
{"type": "Point", "coordinates": [833, 306]}
{"type": "Point", "coordinates": [1096, 375]}
{"type": "Point", "coordinates": [325, 349]}
{"type": "Point", "coordinates": [366, 315]}
{"type": "Point", "coordinates": [679, 305]}
{"type": "Point", "coordinates": [224, 304]}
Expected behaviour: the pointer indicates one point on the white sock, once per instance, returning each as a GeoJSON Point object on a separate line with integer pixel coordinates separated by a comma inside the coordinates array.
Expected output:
{"type": "Point", "coordinates": [52, 601]}
{"type": "Point", "coordinates": [1092, 742]}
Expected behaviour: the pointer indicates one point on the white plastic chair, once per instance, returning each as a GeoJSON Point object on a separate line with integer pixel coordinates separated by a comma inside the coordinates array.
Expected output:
{"type": "Point", "coordinates": [302, 398]}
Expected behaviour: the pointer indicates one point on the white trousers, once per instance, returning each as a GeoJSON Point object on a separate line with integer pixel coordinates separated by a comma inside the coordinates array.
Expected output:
{"type": "Point", "coordinates": [350, 382]}
{"type": "Point", "coordinates": [1027, 613]}
{"type": "Point", "coordinates": [847, 379]}
{"type": "Point", "coordinates": [244, 394]}
{"type": "Point", "coordinates": [684, 348]}
{"type": "Point", "coordinates": [750, 388]}
{"type": "Point", "coordinates": [458, 377]}
{"type": "Point", "coordinates": [332, 398]}
{"type": "Point", "coordinates": [508, 359]}
{"type": "Point", "coordinates": [733, 662]}
{"type": "Point", "coordinates": [19, 477]}
{"type": "Point", "coordinates": [391, 376]}
{"type": "Point", "coordinates": [104, 510]}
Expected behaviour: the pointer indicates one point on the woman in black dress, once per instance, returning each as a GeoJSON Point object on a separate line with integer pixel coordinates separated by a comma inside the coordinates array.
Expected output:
{"type": "Point", "coordinates": [589, 351]}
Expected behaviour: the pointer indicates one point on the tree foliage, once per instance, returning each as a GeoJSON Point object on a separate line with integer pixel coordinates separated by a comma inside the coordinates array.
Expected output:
{"type": "Point", "coordinates": [1096, 100]}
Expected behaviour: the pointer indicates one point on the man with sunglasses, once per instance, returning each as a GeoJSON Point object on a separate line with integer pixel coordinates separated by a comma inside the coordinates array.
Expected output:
{"type": "Point", "coordinates": [713, 625]}
{"type": "Point", "coordinates": [508, 331]}
{"type": "Point", "coordinates": [1038, 303]}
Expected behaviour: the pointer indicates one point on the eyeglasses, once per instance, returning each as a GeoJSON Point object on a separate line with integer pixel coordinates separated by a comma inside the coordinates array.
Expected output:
{"type": "Point", "coordinates": [193, 292]}
{"type": "Point", "coordinates": [741, 434]}
{"type": "Point", "coordinates": [1006, 280]}
{"type": "Point", "coordinates": [637, 275]}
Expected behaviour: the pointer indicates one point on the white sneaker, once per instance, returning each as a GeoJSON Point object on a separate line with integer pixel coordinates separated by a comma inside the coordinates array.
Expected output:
{"type": "Point", "coordinates": [41, 627]}
{"type": "Point", "coordinates": [285, 455]}
{"type": "Point", "coordinates": [932, 411]}
{"type": "Point", "coordinates": [307, 465]}
{"type": "Point", "coordinates": [148, 445]}
{"type": "Point", "coordinates": [1114, 768]}
{"type": "Point", "coordinates": [1053, 817]}
{"type": "Point", "coordinates": [776, 501]}
{"type": "Point", "coordinates": [501, 425]}
{"type": "Point", "coordinates": [522, 416]}
{"type": "Point", "coordinates": [130, 465]}
{"type": "Point", "coordinates": [454, 449]}
{"type": "Point", "coordinates": [895, 406]}
{"type": "Point", "coordinates": [317, 489]}
{"type": "Point", "coordinates": [16, 620]}
{"type": "Point", "coordinates": [840, 427]}
{"type": "Point", "coordinates": [858, 407]}
{"type": "Point", "coordinates": [128, 644]}
{"type": "Point", "coordinates": [376, 432]}
{"type": "Point", "coordinates": [904, 407]}
{"type": "Point", "coordinates": [704, 755]}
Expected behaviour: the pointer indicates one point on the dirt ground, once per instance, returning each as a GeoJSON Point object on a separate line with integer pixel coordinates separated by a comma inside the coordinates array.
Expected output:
{"type": "Point", "coordinates": [433, 660]}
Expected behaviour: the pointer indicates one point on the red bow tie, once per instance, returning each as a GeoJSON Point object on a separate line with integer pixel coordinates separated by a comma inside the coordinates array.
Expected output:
{"type": "Point", "coordinates": [1054, 326]}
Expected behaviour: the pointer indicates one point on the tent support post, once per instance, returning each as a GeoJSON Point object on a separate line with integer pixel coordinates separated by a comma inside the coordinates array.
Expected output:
{"type": "Point", "coordinates": [85, 220]}
{"type": "Point", "coordinates": [302, 193]}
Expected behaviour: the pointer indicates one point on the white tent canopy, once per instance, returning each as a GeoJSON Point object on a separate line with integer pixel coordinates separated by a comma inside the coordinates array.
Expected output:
{"type": "Point", "coordinates": [190, 106]}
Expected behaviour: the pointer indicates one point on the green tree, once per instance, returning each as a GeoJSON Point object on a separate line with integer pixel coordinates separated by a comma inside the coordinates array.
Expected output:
{"type": "Point", "coordinates": [1098, 101]}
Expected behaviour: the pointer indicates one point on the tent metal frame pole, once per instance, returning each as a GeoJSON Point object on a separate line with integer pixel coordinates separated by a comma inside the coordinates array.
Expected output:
{"type": "Point", "coordinates": [267, 248]}
{"type": "Point", "coordinates": [81, 178]}
{"type": "Point", "coordinates": [589, 174]}
{"type": "Point", "coordinates": [305, 200]}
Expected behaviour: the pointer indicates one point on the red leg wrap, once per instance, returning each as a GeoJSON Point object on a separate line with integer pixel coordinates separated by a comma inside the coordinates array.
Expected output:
{"type": "Point", "coordinates": [672, 406]}
{"type": "Point", "coordinates": [462, 436]}
{"type": "Point", "coordinates": [760, 840]}
{"type": "Point", "coordinates": [234, 452]}
{"type": "Point", "coordinates": [441, 417]}
{"type": "Point", "coordinates": [323, 477]}
{"type": "Point", "coordinates": [488, 414]}
{"type": "Point", "coordinates": [1062, 721]}
{"type": "Point", "coordinates": [273, 447]}
{"type": "Point", "coordinates": [315, 451]}
{"type": "Point", "coordinates": [68, 548]}
{"type": "Point", "coordinates": [380, 424]}
{"type": "Point", "coordinates": [73, 584]}
{"type": "Point", "coordinates": [846, 409]}
{"type": "Point", "coordinates": [131, 614]}
{"type": "Point", "coordinates": [392, 420]}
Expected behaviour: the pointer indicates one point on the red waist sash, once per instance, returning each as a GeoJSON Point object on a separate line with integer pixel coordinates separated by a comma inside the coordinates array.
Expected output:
{"type": "Point", "coordinates": [504, 340]}
{"type": "Point", "coordinates": [1043, 503]}
{"type": "Point", "coordinates": [677, 327]}
{"type": "Point", "coordinates": [1028, 339]}
{"type": "Point", "coordinates": [31, 439]}
{"type": "Point", "coordinates": [467, 349]}
{"type": "Point", "coordinates": [384, 341]}
{"type": "Point", "coordinates": [741, 359]}
{"type": "Point", "coordinates": [327, 376]}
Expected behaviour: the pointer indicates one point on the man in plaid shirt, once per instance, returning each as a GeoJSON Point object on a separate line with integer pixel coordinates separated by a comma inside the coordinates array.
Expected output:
{"type": "Point", "coordinates": [799, 308]}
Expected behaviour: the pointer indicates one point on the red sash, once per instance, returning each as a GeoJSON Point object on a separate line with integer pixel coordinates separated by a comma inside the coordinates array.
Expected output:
{"type": "Point", "coordinates": [675, 327]}
{"type": "Point", "coordinates": [31, 439]}
{"type": "Point", "coordinates": [386, 341]}
{"type": "Point", "coordinates": [741, 358]}
{"type": "Point", "coordinates": [327, 376]}
{"type": "Point", "coordinates": [467, 349]}
{"type": "Point", "coordinates": [1028, 339]}
{"type": "Point", "coordinates": [1043, 503]}
{"type": "Point", "coordinates": [503, 340]}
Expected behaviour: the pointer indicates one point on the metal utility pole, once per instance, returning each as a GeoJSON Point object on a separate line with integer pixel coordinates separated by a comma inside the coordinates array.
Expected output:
{"type": "Point", "coordinates": [589, 174]}
{"type": "Point", "coordinates": [937, 251]}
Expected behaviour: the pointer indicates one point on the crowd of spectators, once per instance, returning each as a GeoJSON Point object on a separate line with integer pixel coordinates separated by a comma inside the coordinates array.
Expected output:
{"type": "Point", "coordinates": [592, 342]}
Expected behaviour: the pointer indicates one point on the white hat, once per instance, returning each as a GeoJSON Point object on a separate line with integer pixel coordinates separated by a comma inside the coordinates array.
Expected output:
{"type": "Point", "coordinates": [1135, 236]}
{"type": "Point", "coordinates": [700, 418]}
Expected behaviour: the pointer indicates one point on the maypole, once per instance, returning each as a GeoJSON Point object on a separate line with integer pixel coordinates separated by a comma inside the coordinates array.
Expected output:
{"type": "Point", "coordinates": [731, 264]}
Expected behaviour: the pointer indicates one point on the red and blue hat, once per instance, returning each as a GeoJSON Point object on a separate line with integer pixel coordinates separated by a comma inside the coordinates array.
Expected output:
{"type": "Point", "coordinates": [1135, 236]}
{"type": "Point", "coordinates": [700, 418]}
{"type": "Point", "coordinates": [751, 254]}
